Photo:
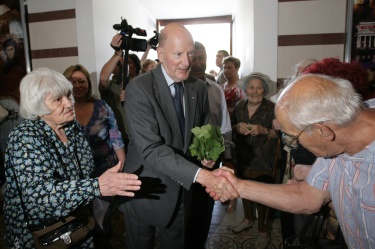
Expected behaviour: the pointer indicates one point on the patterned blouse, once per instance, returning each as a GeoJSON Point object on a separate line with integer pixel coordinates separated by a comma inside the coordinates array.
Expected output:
{"type": "Point", "coordinates": [48, 176]}
{"type": "Point", "coordinates": [103, 136]}
{"type": "Point", "coordinates": [254, 152]}
{"type": "Point", "coordinates": [232, 97]}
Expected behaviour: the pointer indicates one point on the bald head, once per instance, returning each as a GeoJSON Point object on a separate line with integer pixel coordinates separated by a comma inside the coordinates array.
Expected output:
{"type": "Point", "coordinates": [173, 31]}
{"type": "Point", "coordinates": [314, 99]}
{"type": "Point", "coordinates": [176, 51]}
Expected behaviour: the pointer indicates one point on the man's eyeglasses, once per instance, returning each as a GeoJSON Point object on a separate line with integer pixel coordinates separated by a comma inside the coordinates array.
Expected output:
{"type": "Point", "coordinates": [289, 140]}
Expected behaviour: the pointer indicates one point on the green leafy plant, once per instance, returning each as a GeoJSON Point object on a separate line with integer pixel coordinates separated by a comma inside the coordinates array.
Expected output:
{"type": "Point", "coordinates": [208, 142]}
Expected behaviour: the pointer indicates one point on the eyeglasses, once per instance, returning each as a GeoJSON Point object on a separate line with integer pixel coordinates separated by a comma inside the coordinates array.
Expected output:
{"type": "Point", "coordinates": [289, 140]}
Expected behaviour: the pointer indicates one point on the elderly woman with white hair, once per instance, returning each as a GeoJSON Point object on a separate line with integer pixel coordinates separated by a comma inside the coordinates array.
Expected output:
{"type": "Point", "coordinates": [255, 146]}
{"type": "Point", "coordinates": [48, 161]}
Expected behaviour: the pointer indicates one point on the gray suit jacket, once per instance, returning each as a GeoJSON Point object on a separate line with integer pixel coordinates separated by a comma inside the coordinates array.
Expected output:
{"type": "Point", "coordinates": [156, 150]}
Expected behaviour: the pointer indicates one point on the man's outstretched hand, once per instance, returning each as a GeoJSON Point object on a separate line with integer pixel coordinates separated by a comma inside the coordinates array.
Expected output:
{"type": "Point", "coordinates": [217, 185]}
{"type": "Point", "coordinates": [229, 175]}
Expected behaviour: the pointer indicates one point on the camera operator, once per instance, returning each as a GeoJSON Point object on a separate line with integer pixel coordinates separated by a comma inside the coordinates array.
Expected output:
{"type": "Point", "coordinates": [112, 88]}
{"type": "Point", "coordinates": [151, 43]}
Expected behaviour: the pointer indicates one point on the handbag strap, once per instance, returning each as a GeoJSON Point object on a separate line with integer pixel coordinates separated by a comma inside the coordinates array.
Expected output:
{"type": "Point", "coordinates": [23, 206]}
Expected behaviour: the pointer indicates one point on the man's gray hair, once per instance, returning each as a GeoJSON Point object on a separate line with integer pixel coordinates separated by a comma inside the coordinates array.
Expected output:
{"type": "Point", "coordinates": [34, 88]}
{"type": "Point", "coordinates": [335, 101]}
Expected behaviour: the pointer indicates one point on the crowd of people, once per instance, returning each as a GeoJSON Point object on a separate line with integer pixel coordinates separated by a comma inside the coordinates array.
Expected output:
{"type": "Point", "coordinates": [133, 141]}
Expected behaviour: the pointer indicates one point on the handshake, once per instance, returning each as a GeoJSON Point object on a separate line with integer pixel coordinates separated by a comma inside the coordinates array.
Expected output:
{"type": "Point", "coordinates": [220, 184]}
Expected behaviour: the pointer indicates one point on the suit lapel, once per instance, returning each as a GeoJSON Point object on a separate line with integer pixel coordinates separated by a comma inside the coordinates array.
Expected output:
{"type": "Point", "coordinates": [164, 97]}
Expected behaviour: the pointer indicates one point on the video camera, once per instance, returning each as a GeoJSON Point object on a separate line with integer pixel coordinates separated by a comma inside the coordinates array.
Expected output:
{"type": "Point", "coordinates": [129, 43]}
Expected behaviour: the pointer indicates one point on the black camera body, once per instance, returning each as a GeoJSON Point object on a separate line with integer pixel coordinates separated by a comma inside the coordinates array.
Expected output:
{"type": "Point", "coordinates": [129, 43]}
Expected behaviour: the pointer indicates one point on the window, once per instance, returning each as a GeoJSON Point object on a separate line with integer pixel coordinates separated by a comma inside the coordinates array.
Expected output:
{"type": "Point", "coordinates": [215, 33]}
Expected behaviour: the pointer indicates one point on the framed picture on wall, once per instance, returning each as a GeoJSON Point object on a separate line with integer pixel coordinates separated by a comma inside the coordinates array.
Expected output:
{"type": "Point", "coordinates": [362, 31]}
{"type": "Point", "coordinates": [360, 38]}
{"type": "Point", "coordinates": [14, 65]}
{"type": "Point", "coordinates": [14, 49]}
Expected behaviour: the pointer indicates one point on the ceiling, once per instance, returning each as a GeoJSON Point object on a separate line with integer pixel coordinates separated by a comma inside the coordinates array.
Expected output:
{"type": "Point", "coordinates": [177, 9]}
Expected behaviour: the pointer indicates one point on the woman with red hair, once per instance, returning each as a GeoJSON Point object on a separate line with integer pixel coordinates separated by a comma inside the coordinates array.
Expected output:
{"type": "Point", "coordinates": [353, 71]}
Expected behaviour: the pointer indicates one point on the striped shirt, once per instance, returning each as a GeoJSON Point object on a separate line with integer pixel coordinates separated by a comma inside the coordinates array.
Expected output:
{"type": "Point", "coordinates": [351, 182]}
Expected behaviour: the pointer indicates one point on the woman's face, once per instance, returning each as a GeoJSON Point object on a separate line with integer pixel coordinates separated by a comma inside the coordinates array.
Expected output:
{"type": "Point", "coordinates": [150, 67]}
{"type": "Point", "coordinates": [80, 85]}
{"type": "Point", "coordinates": [255, 91]}
{"type": "Point", "coordinates": [62, 110]}
{"type": "Point", "coordinates": [230, 71]}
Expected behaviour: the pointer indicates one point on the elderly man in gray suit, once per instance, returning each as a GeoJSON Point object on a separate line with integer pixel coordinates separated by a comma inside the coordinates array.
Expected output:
{"type": "Point", "coordinates": [162, 106]}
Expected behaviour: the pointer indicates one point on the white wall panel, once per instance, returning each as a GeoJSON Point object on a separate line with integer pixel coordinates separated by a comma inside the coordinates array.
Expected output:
{"type": "Point", "coordinates": [312, 17]}
{"type": "Point", "coordinates": [58, 64]}
{"type": "Point", "coordinates": [289, 56]}
{"type": "Point", "coordinates": [53, 34]}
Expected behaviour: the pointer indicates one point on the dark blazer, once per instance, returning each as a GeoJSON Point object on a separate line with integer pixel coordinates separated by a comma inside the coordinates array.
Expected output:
{"type": "Point", "coordinates": [156, 150]}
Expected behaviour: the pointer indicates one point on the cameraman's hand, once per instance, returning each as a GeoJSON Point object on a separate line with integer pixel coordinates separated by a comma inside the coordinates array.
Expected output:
{"type": "Point", "coordinates": [154, 41]}
{"type": "Point", "coordinates": [116, 41]}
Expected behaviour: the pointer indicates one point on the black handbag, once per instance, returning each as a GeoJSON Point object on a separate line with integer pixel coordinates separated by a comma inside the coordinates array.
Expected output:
{"type": "Point", "coordinates": [63, 232]}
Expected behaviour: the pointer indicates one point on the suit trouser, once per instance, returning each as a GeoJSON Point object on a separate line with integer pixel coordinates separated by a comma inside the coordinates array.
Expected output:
{"type": "Point", "coordinates": [142, 236]}
{"type": "Point", "coordinates": [199, 221]}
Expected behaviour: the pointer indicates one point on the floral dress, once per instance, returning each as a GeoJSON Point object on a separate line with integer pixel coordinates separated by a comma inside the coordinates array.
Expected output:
{"type": "Point", "coordinates": [232, 97]}
{"type": "Point", "coordinates": [47, 173]}
{"type": "Point", "coordinates": [103, 136]}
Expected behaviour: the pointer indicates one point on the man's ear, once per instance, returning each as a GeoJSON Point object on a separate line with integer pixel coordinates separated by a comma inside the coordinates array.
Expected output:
{"type": "Point", "coordinates": [324, 131]}
{"type": "Point", "coordinates": [159, 53]}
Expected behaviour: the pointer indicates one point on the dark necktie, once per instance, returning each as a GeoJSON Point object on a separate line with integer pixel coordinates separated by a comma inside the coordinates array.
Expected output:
{"type": "Point", "coordinates": [178, 105]}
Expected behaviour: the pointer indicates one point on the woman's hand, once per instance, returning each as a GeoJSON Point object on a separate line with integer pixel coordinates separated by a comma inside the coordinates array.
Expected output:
{"type": "Point", "coordinates": [122, 96]}
{"type": "Point", "coordinates": [301, 171]}
{"type": "Point", "coordinates": [113, 182]}
{"type": "Point", "coordinates": [256, 130]}
{"type": "Point", "coordinates": [243, 128]}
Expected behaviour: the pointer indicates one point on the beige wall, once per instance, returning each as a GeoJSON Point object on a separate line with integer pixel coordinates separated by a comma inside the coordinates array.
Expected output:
{"type": "Point", "coordinates": [53, 35]}
{"type": "Point", "coordinates": [321, 20]}
{"type": "Point", "coordinates": [64, 33]}
{"type": "Point", "coordinates": [265, 40]}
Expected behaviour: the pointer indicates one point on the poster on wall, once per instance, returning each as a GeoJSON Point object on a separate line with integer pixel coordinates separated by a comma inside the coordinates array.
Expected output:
{"type": "Point", "coordinates": [14, 64]}
{"type": "Point", "coordinates": [363, 33]}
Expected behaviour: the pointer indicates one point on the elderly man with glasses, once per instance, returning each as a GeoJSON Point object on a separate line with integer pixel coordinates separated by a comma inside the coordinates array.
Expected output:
{"type": "Point", "coordinates": [327, 117]}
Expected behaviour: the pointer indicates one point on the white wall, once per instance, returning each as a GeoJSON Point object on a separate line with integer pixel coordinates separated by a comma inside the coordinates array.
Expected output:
{"type": "Point", "coordinates": [106, 14]}
{"type": "Point", "coordinates": [265, 37]}
{"type": "Point", "coordinates": [255, 36]}
{"type": "Point", "coordinates": [309, 17]}
{"type": "Point", "coordinates": [93, 31]}
{"type": "Point", "coordinates": [243, 35]}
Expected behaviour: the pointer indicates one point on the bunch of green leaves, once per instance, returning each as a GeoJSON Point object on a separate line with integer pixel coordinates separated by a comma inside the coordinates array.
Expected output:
{"type": "Point", "coordinates": [208, 142]}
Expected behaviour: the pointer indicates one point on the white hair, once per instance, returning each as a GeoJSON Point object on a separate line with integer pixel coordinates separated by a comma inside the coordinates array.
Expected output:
{"type": "Point", "coordinates": [327, 100]}
{"type": "Point", "coordinates": [34, 88]}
